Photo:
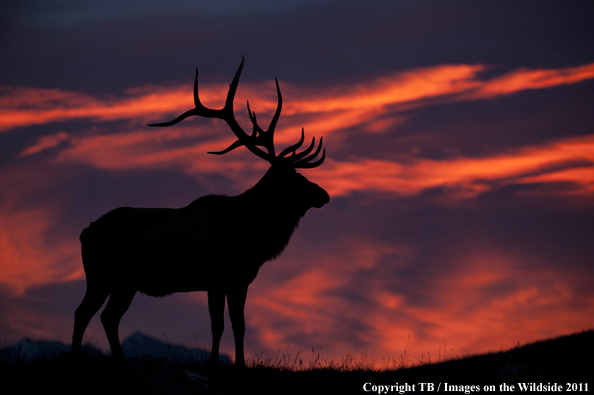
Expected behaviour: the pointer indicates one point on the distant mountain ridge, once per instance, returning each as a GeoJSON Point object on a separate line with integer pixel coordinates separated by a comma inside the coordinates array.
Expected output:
{"type": "Point", "coordinates": [136, 345]}
{"type": "Point", "coordinates": [139, 344]}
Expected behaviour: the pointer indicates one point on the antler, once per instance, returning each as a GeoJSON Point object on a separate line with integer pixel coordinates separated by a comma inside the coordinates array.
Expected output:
{"type": "Point", "coordinates": [259, 137]}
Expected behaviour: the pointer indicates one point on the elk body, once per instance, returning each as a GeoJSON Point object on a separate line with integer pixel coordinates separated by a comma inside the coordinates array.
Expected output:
{"type": "Point", "coordinates": [216, 244]}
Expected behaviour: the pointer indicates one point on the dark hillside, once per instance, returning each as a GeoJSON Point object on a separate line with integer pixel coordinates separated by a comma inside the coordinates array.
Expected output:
{"type": "Point", "coordinates": [563, 360]}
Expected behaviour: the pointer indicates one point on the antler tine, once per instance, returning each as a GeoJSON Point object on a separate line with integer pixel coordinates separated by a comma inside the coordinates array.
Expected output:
{"type": "Point", "coordinates": [305, 162]}
{"type": "Point", "coordinates": [278, 108]}
{"type": "Point", "coordinates": [185, 115]}
{"type": "Point", "coordinates": [301, 160]}
{"type": "Point", "coordinates": [257, 128]}
{"type": "Point", "coordinates": [294, 147]}
{"type": "Point", "coordinates": [301, 165]}
{"type": "Point", "coordinates": [304, 153]}
{"type": "Point", "coordinates": [233, 89]}
{"type": "Point", "coordinates": [200, 110]}
{"type": "Point", "coordinates": [230, 148]}
{"type": "Point", "coordinates": [297, 157]}
{"type": "Point", "coordinates": [266, 138]}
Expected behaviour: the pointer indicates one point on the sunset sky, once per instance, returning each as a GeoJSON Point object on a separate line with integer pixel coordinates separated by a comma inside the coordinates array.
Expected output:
{"type": "Point", "coordinates": [459, 142]}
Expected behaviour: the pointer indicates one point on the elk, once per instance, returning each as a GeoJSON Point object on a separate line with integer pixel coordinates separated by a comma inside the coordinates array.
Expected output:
{"type": "Point", "coordinates": [215, 244]}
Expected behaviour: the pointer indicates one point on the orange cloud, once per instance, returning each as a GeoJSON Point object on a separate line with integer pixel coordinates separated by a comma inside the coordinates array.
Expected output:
{"type": "Point", "coordinates": [27, 106]}
{"type": "Point", "coordinates": [359, 102]}
{"type": "Point", "coordinates": [25, 259]}
{"type": "Point", "coordinates": [459, 308]}
{"type": "Point", "coordinates": [581, 177]}
{"type": "Point", "coordinates": [423, 83]}
{"type": "Point", "coordinates": [31, 252]}
{"type": "Point", "coordinates": [466, 312]}
{"type": "Point", "coordinates": [524, 79]}
{"type": "Point", "coordinates": [310, 304]}
{"type": "Point", "coordinates": [471, 176]}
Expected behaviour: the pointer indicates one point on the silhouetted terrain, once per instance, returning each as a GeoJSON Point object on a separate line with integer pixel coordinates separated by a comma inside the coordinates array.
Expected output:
{"type": "Point", "coordinates": [563, 360]}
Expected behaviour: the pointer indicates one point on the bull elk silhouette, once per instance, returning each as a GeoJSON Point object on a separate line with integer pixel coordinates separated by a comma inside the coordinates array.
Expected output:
{"type": "Point", "coordinates": [215, 244]}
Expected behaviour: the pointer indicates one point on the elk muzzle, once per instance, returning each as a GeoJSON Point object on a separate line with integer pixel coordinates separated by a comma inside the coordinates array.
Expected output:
{"type": "Point", "coordinates": [321, 197]}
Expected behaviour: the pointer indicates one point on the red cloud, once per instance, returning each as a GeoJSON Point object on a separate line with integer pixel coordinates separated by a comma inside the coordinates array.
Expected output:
{"type": "Point", "coordinates": [360, 102]}
{"type": "Point", "coordinates": [470, 176]}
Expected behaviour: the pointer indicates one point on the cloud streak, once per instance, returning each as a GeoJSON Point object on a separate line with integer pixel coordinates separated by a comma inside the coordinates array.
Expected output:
{"type": "Point", "coordinates": [570, 160]}
{"type": "Point", "coordinates": [27, 106]}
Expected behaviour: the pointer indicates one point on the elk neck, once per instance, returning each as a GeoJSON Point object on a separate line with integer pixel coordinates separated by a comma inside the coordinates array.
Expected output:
{"type": "Point", "coordinates": [276, 206]}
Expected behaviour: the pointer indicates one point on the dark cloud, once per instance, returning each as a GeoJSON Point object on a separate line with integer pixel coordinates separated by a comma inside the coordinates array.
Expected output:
{"type": "Point", "coordinates": [307, 42]}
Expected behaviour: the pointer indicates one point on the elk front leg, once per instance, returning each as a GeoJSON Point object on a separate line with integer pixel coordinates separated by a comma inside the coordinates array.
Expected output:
{"type": "Point", "coordinates": [236, 301]}
{"type": "Point", "coordinates": [216, 308]}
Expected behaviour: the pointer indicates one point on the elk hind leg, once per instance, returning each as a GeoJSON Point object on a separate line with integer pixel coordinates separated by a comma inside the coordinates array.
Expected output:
{"type": "Point", "coordinates": [216, 308]}
{"type": "Point", "coordinates": [118, 303]}
{"type": "Point", "coordinates": [94, 298]}
{"type": "Point", "coordinates": [236, 301]}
